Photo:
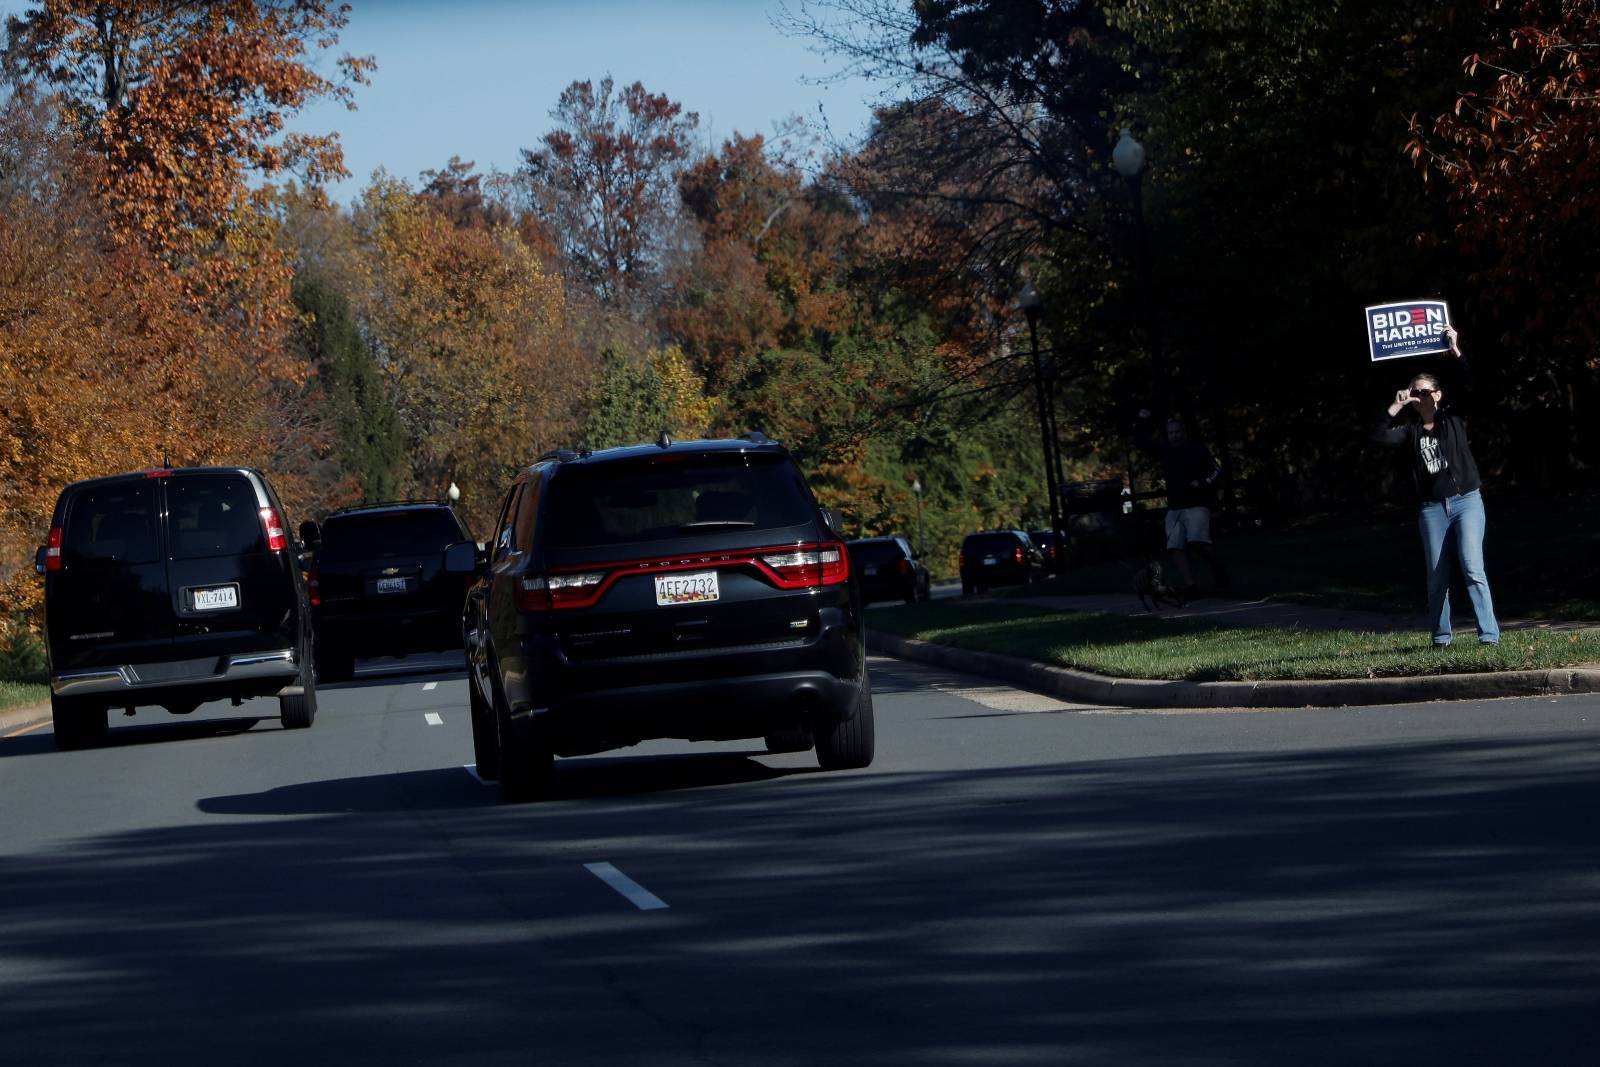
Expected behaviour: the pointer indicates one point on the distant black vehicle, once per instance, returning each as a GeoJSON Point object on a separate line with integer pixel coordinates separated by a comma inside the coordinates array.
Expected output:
{"type": "Point", "coordinates": [172, 588]}
{"type": "Point", "coordinates": [886, 568]}
{"type": "Point", "coordinates": [388, 580]}
{"type": "Point", "coordinates": [998, 557]}
{"type": "Point", "coordinates": [687, 590]}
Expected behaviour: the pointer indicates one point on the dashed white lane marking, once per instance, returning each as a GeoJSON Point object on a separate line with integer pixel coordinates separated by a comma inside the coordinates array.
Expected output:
{"type": "Point", "coordinates": [433, 719]}
{"type": "Point", "coordinates": [429, 685]}
{"type": "Point", "coordinates": [472, 769]}
{"type": "Point", "coordinates": [637, 894]}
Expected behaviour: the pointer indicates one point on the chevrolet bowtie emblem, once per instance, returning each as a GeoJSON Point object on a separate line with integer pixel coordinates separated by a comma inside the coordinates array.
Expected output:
{"type": "Point", "coordinates": [391, 570]}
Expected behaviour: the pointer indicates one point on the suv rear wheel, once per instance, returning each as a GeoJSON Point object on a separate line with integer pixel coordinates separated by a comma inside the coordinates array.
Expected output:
{"type": "Point", "coordinates": [526, 764]}
{"type": "Point", "coordinates": [849, 744]}
{"type": "Point", "coordinates": [485, 742]}
{"type": "Point", "coordinates": [78, 723]}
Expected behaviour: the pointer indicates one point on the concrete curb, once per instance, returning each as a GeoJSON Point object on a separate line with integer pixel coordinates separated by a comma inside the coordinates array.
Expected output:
{"type": "Point", "coordinates": [1084, 688]}
{"type": "Point", "coordinates": [26, 715]}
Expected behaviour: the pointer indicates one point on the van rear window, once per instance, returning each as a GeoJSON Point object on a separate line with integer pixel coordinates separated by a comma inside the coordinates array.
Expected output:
{"type": "Point", "coordinates": [387, 534]}
{"type": "Point", "coordinates": [674, 496]}
{"type": "Point", "coordinates": [213, 515]}
{"type": "Point", "coordinates": [114, 522]}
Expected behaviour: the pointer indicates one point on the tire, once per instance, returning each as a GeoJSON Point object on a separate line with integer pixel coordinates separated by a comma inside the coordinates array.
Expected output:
{"type": "Point", "coordinates": [298, 711]}
{"type": "Point", "coordinates": [966, 588]}
{"type": "Point", "coordinates": [78, 723]}
{"type": "Point", "coordinates": [794, 739]}
{"type": "Point", "coordinates": [527, 765]}
{"type": "Point", "coordinates": [849, 744]}
{"type": "Point", "coordinates": [485, 735]}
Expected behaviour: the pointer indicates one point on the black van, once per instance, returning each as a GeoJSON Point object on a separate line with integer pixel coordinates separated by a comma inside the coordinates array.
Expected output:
{"type": "Point", "coordinates": [172, 588]}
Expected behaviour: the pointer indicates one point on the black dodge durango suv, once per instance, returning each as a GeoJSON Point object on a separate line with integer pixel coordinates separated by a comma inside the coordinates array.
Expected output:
{"type": "Point", "coordinates": [686, 590]}
{"type": "Point", "coordinates": [172, 588]}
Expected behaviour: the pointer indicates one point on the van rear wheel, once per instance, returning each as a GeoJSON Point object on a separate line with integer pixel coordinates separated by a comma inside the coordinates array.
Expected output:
{"type": "Point", "coordinates": [78, 723]}
{"type": "Point", "coordinates": [299, 710]}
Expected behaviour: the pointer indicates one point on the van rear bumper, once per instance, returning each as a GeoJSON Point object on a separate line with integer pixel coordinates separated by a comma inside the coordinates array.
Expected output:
{"type": "Point", "coordinates": [247, 670]}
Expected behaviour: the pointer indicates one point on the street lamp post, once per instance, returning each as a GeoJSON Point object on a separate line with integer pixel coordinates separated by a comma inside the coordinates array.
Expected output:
{"type": "Point", "coordinates": [916, 487]}
{"type": "Point", "coordinates": [1032, 306]}
{"type": "Point", "coordinates": [1128, 159]}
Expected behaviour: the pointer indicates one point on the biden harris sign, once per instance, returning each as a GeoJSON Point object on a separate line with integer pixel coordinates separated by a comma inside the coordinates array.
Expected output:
{"type": "Point", "coordinates": [1409, 328]}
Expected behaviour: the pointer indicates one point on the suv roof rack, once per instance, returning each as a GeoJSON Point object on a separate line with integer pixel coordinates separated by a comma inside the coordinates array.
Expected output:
{"type": "Point", "coordinates": [563, 455]}
{"type": "Point", "coordinates": [756, 437]}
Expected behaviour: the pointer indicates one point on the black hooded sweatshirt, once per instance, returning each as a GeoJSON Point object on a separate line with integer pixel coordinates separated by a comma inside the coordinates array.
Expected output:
{"type": "Point", "coordinates": [1441, 459]}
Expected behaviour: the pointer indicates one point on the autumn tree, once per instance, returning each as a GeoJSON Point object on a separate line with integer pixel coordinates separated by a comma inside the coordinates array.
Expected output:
{"type": "Point", "coordinates": [457, 191]}
{"type": "Point", "coordinates": [602, 181]}
{"type": "Point", "coordinates": [1517, 158]}
{"type": "Point", "coordinates": [468, 330]}
{"type": "Point", "coordinates": [639, 397]}
{"type": "Point", "coordinates": [183, 99]}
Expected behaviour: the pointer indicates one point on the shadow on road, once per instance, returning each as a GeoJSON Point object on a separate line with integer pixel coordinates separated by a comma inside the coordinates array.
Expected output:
{"type": "Point", "coordinates": [1416, 903]}
{"type": "Point", "coordinates": [149, 733]}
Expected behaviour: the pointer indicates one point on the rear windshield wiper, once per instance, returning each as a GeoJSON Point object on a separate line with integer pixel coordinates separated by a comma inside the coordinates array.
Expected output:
{"type": "Point", "coordinates": [711, 524]}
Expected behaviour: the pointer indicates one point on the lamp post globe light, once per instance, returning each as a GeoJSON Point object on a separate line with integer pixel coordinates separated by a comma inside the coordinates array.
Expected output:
{"type": "Point", "coordinates": [1031, 305]}
{"type": "Point", "coordinates": [1128, 156]}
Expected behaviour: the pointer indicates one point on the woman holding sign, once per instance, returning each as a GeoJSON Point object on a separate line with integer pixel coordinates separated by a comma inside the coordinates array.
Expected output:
{"type": "Point", "coordinates": [1446, 476]}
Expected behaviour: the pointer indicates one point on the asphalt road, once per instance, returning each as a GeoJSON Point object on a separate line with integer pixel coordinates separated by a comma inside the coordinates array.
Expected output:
{"type": "Point", "coordinates": [1014, 881]}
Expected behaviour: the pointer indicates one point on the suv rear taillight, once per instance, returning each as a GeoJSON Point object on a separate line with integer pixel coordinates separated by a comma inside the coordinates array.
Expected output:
{"type": "Point", "coordinates": [272, 525]}
{"type": "Point", "coordinates": [808, 566]}
{"type": "Point", "coordinates": [961, 561]}
{"type": "Point", "coordinates": [1019, 554]}
{"type": "Point", "coordinates": [52, 550]}
{"type": "Point", "coordinates": [549, 593]}
{"type": "Point", "coordinates": [314, 585]}
{"type": "Point", "coordinates": [905, 567]}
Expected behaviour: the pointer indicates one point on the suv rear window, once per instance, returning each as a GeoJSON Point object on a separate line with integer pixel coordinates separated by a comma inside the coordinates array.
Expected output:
{"type": "Point", "coordinates": [673, 496]}
{"type": "Point", "coordinates": [1001, 543]}
{"type": "Point", "coordinates": [213, 515]}
{"type": "Point", "coordinates": [388, 534]}
{"type": "Point", "coordinates": [113, 522]}
{"type": "Point", "coordinates": [876, 552]}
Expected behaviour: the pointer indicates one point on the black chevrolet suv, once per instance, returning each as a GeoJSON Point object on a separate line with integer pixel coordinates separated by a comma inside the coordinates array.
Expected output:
{"type": "Point", "coordinates": [387, 580]}
{"type": "Point", "coordinates": [686, 590]}
{"type": "Point", "coordinates": [172, 588]}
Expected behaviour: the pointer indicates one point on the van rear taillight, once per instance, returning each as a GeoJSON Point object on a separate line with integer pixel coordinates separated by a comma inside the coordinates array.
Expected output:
{"type": "Point", "coordinates": [272, 525]}
{"type": "Point", "coordinates": [808, 566]}
{"type": "Point", "coordinates": [314, 586]}
{"type": "Point", "coordinates": [52, 550]}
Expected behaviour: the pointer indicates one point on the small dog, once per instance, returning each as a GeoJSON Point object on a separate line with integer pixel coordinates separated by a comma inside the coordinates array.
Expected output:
{"type": "Point", "coordinates": [1150, 586]}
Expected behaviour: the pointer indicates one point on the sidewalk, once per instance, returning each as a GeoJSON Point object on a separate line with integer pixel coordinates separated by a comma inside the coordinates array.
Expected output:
{"type": "Point", "coordinates": [1083, 687]}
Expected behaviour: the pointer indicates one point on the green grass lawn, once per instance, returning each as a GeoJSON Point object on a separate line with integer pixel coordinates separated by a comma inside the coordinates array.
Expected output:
{"type": "Point", "coordinates": [19, 694]}
{"type": "Point", "coordinates": [1542, 556]}
{"type": "Point", "coordinates": [1186, 649]}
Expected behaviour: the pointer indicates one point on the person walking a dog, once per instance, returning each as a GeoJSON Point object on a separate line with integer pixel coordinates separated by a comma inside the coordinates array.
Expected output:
{"type": "Point", "coordinates": [1445, 474]}
{"type": "Point", "coordinates": [1191, 476]}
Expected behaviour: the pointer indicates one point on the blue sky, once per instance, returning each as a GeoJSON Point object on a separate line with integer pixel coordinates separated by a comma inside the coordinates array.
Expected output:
{"type": "Point", "coordinates": [477, 78]}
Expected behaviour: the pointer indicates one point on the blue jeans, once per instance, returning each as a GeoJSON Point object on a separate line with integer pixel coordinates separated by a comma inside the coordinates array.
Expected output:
{"type": "Point", "coordinates": [1454, 525]}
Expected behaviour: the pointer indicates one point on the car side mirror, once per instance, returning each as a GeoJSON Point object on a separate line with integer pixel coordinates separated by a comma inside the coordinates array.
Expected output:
{"type": "Point", "coordinates": [833, 519]}
{"type": "Point", "coordinates": [461, 558]}
{"type": "Point", "coordinates": [38, 559]}
{"type": "Point", "coordinates": [310, 535]}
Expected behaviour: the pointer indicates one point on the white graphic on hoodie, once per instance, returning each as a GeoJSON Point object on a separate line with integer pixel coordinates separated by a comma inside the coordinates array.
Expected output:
{"type": "Point", "coordinates": [1432, 453]}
